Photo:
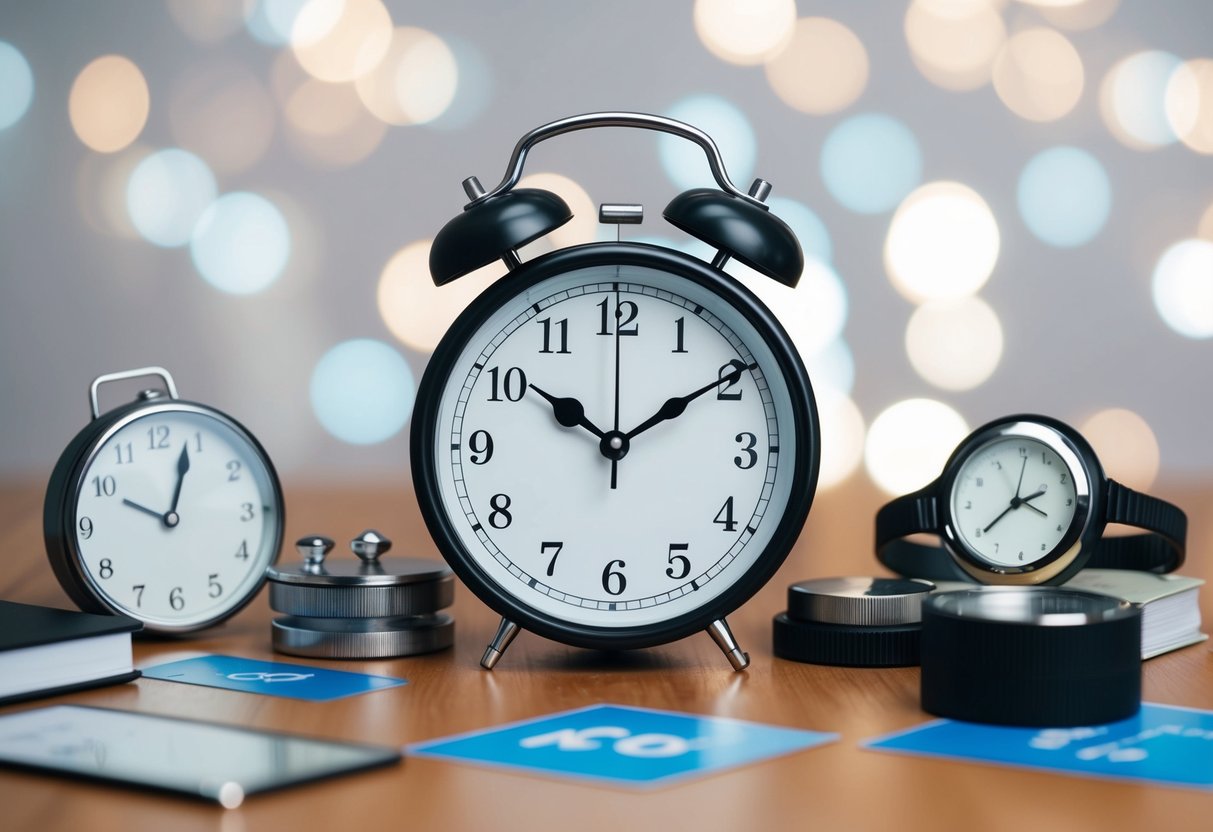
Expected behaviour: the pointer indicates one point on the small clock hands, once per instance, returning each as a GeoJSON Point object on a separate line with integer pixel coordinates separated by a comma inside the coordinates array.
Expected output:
{"type": "Point", "coordinates": [614, 448]}
{"type": "Point", "coordinates": [1018, 501]}
{"type": "Point", "coordinates": [183, 466]}
{"type": "Point", "coordinates": [675, 406]}
{"type": "Point", "coordinates": [144, 509]}
{"type": "Point", "coordinates": [569, 412]}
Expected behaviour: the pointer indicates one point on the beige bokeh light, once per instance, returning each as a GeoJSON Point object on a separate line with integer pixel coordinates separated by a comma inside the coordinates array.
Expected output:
{"type": "Point", "coordinates": [109, 103]}
{"type": "Point", "coordinates": [842, 429]}
{"type": "Point", "coordinates": [943, 243]}
{"type": "Point", "coordinates": [747, 32]}
{"type": "Point", "coordinates": [1204, 229]}
{"type": "Point", "coordinates": [1086, 14]}
{"type": "Point", "coordinates": [822, 68]}
{"type": "Point", "coordinates": [1038, 74]}
{"type": "Point", "coordinates": [1182, 288]}
{"type": "Point", "coordinates": [415, 82]}
{"type": "Point", "coordinates": [340, 40]}
{"type": "Point", "coordinates": [1189, 104]}
{"type": "Point", "coordinates": [955, 344]}
{"type": "Point", "coordinates": [909, 442]}
{"type": "Point", "coordinates": [1125, 445]}
{"type": "Point", "coordinates": [413, 308]}
{"type": "Point", "coordinates": [329, 125]}
{"type": "Point", "coordinates": [814, 312]}
{"type": "Point", "coordinates": [954, 42]}
{"type": "Point", "coordinates": [222, 112]}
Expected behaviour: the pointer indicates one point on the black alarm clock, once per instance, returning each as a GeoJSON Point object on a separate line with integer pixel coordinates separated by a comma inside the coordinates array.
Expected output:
{"type": "Point", "coordinates": [616, 444]}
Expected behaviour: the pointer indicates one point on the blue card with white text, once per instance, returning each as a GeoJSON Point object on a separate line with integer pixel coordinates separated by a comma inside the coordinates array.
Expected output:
{"type": "Point", "coordinates": [623, 746]}
{"type": "Point", "coordinates": [1161, 744]}
{"type": "Point", "coordinates": [293, 681]}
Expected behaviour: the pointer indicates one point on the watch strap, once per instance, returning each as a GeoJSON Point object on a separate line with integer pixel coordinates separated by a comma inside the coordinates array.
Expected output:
{"type": "Point", "coordinates": [914, 514]}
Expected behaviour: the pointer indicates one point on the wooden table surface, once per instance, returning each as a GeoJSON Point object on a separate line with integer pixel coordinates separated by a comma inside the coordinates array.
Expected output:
{"type": "Point", "coordinates": [838, 786]}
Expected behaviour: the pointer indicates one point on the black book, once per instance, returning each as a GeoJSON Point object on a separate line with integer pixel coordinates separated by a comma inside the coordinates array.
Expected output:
{"type": "Point", "coordinates": [45, 651]}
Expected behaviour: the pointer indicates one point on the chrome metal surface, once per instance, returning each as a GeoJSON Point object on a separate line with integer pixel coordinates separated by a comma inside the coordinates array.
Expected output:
{"type": "Point", "coordinates": [859, 602]}
{"type": "Point", "coordinates": [612, 213]}
{"type": "Point", "coordinates": [327, 638]}
{"type": "Point", "coordinates": [369, 545]}
{"type": "Point", "coordinates": [507, 631]}
{"type": "Point", "coordinates": [125, 374]}
{"type": "Point", "coordinates": [314, 550]}
{"type": "Point", "coordinates": [1042, 606]}
{"type": "Point", "coordinates": [723, 636]}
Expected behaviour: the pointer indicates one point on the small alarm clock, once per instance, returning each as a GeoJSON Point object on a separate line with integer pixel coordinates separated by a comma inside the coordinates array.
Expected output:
{"type": "Point", "coordinates": [164, 510]}
{"type": "Point", "coordinates": [616, 444]}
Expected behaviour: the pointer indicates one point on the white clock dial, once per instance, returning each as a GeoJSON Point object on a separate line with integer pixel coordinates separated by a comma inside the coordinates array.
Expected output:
{"type": "Point", "coordinates": [1013, 501]}
{"type": "Point", "coordinates": [615, 446]}
{"type": "Point", "coordinates": [176, 517]}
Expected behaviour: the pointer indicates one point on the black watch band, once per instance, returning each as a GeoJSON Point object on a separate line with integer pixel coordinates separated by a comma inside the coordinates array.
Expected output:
{"type": "Point", "coordinates": [1160, 550]}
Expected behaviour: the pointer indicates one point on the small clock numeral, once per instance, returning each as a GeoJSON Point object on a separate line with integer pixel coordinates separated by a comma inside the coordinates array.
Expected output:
{"type": "Point", "coordinates": [247, 512]}
{"type": "Point", "coordinates": [625, 313]}
{"type": "Point", "coordinates": [107, 569]}
{"type": "Point", "coordinates": [125, 453]}
{"type": "Point", "coordinates": [138, 590]}
{"type": "Point", "coordinates": [500, 517]}
{"type": "Point", "coordinates": [683, 561]}
{"type": "Point", "coordinates": [176, 599]}
{"type": "Point", "coordinates": [724, 517]}
{"type": "Point", "coordinates": [198, 441]}
{"type": "Point", "coordinates": [679, 335]}
{"type": "Point", "coordinates": [242, 552]}
{"type": "Point", "coordinates": [751, 456]}
{"type": "Point", "coordinates": [215, 589]}
{"type": "Point", "coordinates": [157, 437]}
{"type": "Point", "coordinates": [484, 447]}
{"type": "Point", "coordinates": [513, 384]}
{"type": "Point", "coordinates": [543, 550]}
{"type": "Point", "coordinates": [722, 392]}
{"type": "Point", "coordinates": [86, 527]}
{"type": "Point", "coordinates": [614, 583]}
{"type": "Point", "coordinates": [563, 327]}
{"type": "Point", "coordinates": [233, 470]}
{"type": "Point", "coordinates": [106, 486]}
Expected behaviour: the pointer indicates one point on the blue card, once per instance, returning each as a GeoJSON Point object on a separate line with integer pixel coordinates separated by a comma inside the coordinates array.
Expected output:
{"type": "Point", "coordinates": [622, 746]}
{"type": "Point", "coordinates": [1162, 744]}
{"type": "Point", "coordinates": [293, 681]}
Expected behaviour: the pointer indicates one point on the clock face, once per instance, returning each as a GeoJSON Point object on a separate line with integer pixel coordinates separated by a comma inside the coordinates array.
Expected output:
{"type": "Point", "coordinates": [176, 517]}
{"type": "Point", "coordinates": [615, 446]}
{"type": "Point", "coordinates": [1015, 499]}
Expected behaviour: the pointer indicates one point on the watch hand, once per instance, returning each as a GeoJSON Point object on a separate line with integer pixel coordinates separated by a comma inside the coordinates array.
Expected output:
{"type": "Point", "coordinates": [618, 318]}
{"type": "Point", "coordinates": [1016, 502]}
{"type": "Point", "coordinates": [183, 465]}
{"type": "Point", "coordinates": [569, 412]}
{"type": "Point", "coordinates": [144, 509]}
{"type": "Point", "coordinates": [1023, 501]}
{"type": "Point", "coordinates": [1019, 484]}
{"type": "Point", "coordinates": [674, 407]}
{"type": "Point", "coordinates": [986, 530]}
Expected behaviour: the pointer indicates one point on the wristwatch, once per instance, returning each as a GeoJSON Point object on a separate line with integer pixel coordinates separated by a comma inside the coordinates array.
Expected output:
{"type": "Point", "coordinates": [1023, 500]}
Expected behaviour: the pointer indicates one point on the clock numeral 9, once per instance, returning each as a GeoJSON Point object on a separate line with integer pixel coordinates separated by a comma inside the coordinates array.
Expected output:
{"type": "Point", "coordinates": [500, 517]}
{"type": "Point", "coordinates": [614, 583]}
{"type": "Point", "coordinates": [513, 384]}
{"type": "Point", "coordinates": [175, 599]}
{"type": "Point", "coordinates": [751, 455]}
{"type": "Point", "coordinates": [543, 550]}
{"type": "Point", "coordinates": [683, 561]}
{"type": "Point", "coordinates": [625, 313]}
{"type": "Point", "coordinates": [157, 437]}
{"type": "Point", "coordinates": [563, 326]}
{"type": "Point", "coordinates": [86, 527]}
{"type": "Point", "coordinates": [724, 517]}
{"type": "Point", "coordinates": [106, 486]}
{"type": "Point", "coordinates": [484, 447]}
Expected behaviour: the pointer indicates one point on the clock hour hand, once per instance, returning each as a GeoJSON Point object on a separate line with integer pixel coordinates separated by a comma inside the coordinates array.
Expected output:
{"type": "Point", "coordinates": [1016, 502]}
{"type": "Point", "coordinates": [674, 407]}
{"type": "Point", "coordinates": [1023, 501]}
{"type": "Point", "coordinates": [569, 412]}
{"type": "Point", "coordinates": [144, 509]}
{"type": "Point", "coordinates": [183, 465]}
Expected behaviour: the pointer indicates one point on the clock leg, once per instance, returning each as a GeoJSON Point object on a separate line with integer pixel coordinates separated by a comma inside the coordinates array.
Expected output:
{"type": "Point", "coordinates": [723, 636]}
{"type": "Point", "coordinates": [506, 631]}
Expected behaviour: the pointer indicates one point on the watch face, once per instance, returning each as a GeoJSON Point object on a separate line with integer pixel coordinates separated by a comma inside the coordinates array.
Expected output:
{"type": "Point", "coordinates": [176, 516]}
{"type": "Point", "coordinates": [616, 446]}
{"type": "Point", "coordinates": [1015, 501]}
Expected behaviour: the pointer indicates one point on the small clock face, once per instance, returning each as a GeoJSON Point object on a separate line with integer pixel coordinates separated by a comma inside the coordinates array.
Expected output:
{"type": "Point", "coordinates": [1015, 499]}
{"type": "Point", "coordinates": [176, 517]}
{"type": "Point", "coordinates": [616, 446]}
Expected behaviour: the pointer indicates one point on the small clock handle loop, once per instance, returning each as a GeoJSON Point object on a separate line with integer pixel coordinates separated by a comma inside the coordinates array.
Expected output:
{"type": "Point", "coordinates": [169, 385]}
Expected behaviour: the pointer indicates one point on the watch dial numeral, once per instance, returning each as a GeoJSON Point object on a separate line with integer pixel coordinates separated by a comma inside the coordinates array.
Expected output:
{"type": "Point", "coordinates": [481, 445]}
{"type": "Point", "coordinates": [176, 598]}
{"type": "Point", "coordinates": [198, 442]}
{"type": "Point", "coordinates": [614, 582]}
{"type": "Point", "coordinates": [557, 546]}
{"type": "Point", "coordinates": [105, 486]}
{"type": "Point", "coordinates": [125, 453]}
{"type": "Point", "coordinates": [214, 588]}
{"type": "Point", "coordinates": [106, 570]}
{"type": "Point", "coordinates": [562, 329]}
{"type": "Point", "coordinates": [512, 383]}
{"type": "Point", "coordinates": [684, 563]}
{"type": "Point", "coordinates": [157, 437]}
{"type": "Point", "coordinates": [247, 512]}
{"type": "Point", "coordinates": [138, 590]}
{"type": "Point", "coordinates": [242, 552]}
{"type": "Point", "coordinates": [86, 527]}
{"type": "Point", "coordinates": [233, 470]}
{"type": "Point", "coordinates": [680, 326]}
{"type": "Point", "coordinates": [723, 392]}
{"type": "Point", "coordinates": [625, 313]}
{"type": "Point", "coordinates": [749, 442]}
{"type": "Point", "coordinates": [724, 517]}
{"type": "Point", "coordinates": [500, 517]}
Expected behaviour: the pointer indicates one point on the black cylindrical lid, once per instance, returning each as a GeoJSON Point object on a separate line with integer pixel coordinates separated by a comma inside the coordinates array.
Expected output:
{"type": "Point", "coordinates": [1032, 656]}
{"type": "Point", "coordinates": [846, 645]}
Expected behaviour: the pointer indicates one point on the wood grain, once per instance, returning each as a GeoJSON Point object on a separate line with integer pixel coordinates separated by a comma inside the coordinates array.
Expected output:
{"type": "Point", "coordinates": [839, 786]}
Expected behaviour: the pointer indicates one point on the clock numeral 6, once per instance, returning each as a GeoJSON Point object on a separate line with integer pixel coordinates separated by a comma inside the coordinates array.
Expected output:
{"type": "Point", "coordinates": [500, 517]}
{"type": "Point", "coordinates": [175, 598]}
{"type": "Point", "coordinates": [484, 447]}
{"type": "Point", "coordinates": [614, 583]}
{"type": "Point", "coordinates": [684, 562]}
{"type": "Point", "coordinates": [513, 384]}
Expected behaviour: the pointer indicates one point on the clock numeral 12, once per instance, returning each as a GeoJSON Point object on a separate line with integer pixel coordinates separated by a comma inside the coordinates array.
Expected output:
{"type": "Point", "coordinates": [625, 313]}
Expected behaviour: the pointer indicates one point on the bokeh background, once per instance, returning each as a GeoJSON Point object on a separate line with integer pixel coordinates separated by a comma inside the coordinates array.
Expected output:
{"type": "Point", "coordinates": [1007, 205]}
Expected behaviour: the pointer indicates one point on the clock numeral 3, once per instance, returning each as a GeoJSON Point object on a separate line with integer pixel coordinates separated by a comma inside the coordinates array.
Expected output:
{"type": "Point", "coordinates": [500, 517]}
{"type": "Point", "coordinates": [484, 447]}
{"type": "Point", "coordinates": [683, 561]}
{"type": "Point", "coordinates": [751, 455]}
{"type": "Point", "coordinates": [543, 550]}
{"type": "Point", "coordinates": [563, 328]}
{"type": "Point", "coordinates": [625, 313]}
{"type": "Point", "coordinates": [513, 384]}
{"type": "Point", "coordinates": [724, 517]}
{"type": "Point", "coordinates": [246, 512]}
{"type": "Point", "coordinates": [614, 583]}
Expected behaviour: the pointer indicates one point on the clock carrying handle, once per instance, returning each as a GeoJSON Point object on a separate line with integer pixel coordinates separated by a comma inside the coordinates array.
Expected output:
{"type": "Point", "coordinates": [585, 121]}
{"type": "Point", "coordinates": [1161, 550]}
{"type": "Point", "coordinates": [125, 374]}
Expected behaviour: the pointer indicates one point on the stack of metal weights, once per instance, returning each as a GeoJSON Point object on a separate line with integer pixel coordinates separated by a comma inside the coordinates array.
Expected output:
{"type": "Point", "coordinates": [370, 608]}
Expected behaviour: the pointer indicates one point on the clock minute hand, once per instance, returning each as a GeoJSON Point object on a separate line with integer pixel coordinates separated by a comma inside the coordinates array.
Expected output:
{"type": "Point", "coordinates": [1023, 501]}
{"type": "Point", "coordinates": [674, 407]}
{"type": "Point", "coordinates": [183, 466]}
{"type": "Point", "coordinates": [569, 412]}
{"type": "Point", "coordinates": [144, 509]}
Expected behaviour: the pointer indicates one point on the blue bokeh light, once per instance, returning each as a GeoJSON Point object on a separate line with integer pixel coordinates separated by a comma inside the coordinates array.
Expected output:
{"type": "Point", "coordinates": [271, 21]}
{"type": "Point", "coordinates": [475, 90]}
{"type": "Point", "coordinates": [16, 85]}
{"type": "Point", "coordinates": [729, 127]}
{"type": "Point", "coordinates": [362, 391]}
{"type": "Point", "coordinates": [1139, 94]}
{"type": "Point", "coordinates": [870, 162]}
{"type": "Point", "coordinates": [167, 192]}
{"type": "Point", "coordinates": [812, 233]}
{"type": "Point", "coordinates": [241, 243]}
{"type": "Point", "coordinates": [1064, 196]}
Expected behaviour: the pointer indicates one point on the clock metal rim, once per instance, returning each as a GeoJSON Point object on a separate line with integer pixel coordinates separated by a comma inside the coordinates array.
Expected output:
{"type": "Point", "coordinates": [437, 374]}
{"type": "Point", "coordinates": [1086, 527]}
{"type": "Point", "coordinates": [63, 494]}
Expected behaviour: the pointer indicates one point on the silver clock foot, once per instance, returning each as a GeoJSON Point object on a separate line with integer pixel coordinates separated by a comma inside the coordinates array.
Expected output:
{"type": "Point", "coordinates": [506, 631]}
{"type": "Point", "coordinates": [723, 636]}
